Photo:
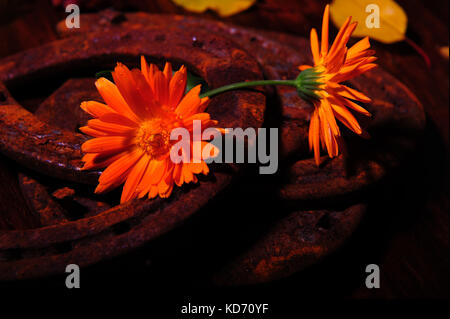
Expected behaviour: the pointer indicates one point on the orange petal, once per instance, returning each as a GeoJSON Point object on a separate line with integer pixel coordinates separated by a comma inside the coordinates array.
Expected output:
{"type": "Point", "coordinates": [106, 144]}
{"type": "Point", "coordinates": [363, 69]}
{"type": "Point", "coordinates": [161, 88]}
{"type": "Point", "coordinates": [350, 104]}
{"type": "Point", "coordinates": [359, 56]}
{"type": "Point", "coordinates": [92, 132]}
{"type": "Point", "coordinates": [304, 67]}
{"type": "Point", "coordinates": [203, 104]}
{"type": "Point", "coordinates": [134, 178]}
{"type": "Point", "coordinates": [315, 46]}
{"type": "Point", "coordinates": [336, 43]}
{"type": "Point", "coordinates": [126, 84]}
{"type": "Point", "coordinates": [99, 160]}
{"type": "Point", "coordinates": [177, 176]}
{"type": "Point", "coordinates": [188, 176]}
{"type": "Point", "coordinates": [152, 193]}
{"type": "Point", "coordinates": [360, 70]}
{"type": "Point", "coordinates": [177, 87]}
{"type": "Point", "coordinates": [168, 71]}
{"type": "Point", "coordinates": [120, 167]}
{"type": "Point", "coordinates": [96, 109]}
{"type": "Point", "coordinates": [144, 68]}
{"type": "Point", "coordinates": [165, 186]}
{"type": "Point", "coordinates": [190, 103]}
{"type": "Point", "coordinates": [326, 131]}
{"type": "Point", "coordinates": [113, 98]}
{"type": "Point", "coordinates": [353, 94]}
{"type": "Point", "coordinates": [328, 112]}
{"type": "Point", "coordinates": [147, 96]}
{"type": "Point", "coordinates": [325, 23]}
{"type": "Point", "coordinates": [115, 118]}
{"type": "Point", "coordinates": [342, 42]}
{"type": "Point", "coordinates": [110, 128]}
{"type": "Point", "coordinates": [312, 130]}
{"type": "Point", "coordinates": [316, 137]}
{"type": "Point", "coordinates": [103, 188]}
{"type": "Point", "coordinates": [203, 117]}
{"type": "Point", "coordinates": [358, 47]}
{"type": "Point", "coordinates": [347, 118]}
{"type": "Point", "coordinates": [154, 173]}
{"type": "Point", "coordinates": [152, 69]}
{"type": "Point", "coordinates": [197, 168]}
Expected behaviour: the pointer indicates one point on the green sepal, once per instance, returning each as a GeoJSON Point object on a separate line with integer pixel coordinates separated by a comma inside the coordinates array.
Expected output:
{"type": "Point", "coordinates": [308, 84]}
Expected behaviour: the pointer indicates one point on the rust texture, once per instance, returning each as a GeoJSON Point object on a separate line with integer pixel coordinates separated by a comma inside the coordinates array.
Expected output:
{"type": "Point", "coordinates": [225, 54]}
{"type": "Point", "coordinates": [49, 212]}
{"type": "Point", "coordinates": [396, 111]}
{"type": "Point", "coordinates": [56, 152]}
{"type": "Point", "coordinates": [293, 243]}
{"type": "Point", "coordinates": [62, 107]}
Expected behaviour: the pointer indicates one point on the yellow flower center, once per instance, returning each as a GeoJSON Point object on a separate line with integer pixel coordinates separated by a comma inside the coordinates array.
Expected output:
{"type": "Point", "coordinates": [153, 137]}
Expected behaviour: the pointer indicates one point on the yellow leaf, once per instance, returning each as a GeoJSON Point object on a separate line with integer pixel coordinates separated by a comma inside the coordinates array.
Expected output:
{"type": "Point", "coordinates": [224, 8]}
{"type": "Point", "coordinates": [382, 20]}
{"type": "Point", "coordinates": [444, 52]}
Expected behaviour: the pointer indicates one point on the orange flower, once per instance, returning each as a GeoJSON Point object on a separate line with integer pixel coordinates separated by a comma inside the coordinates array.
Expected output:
{"type": "Point", "coordinates": [132, 130]}
{"type": "Point", "coordinates": [332, 66]}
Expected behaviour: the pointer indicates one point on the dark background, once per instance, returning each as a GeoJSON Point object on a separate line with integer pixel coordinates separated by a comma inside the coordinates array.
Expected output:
{"type": "Point", "coordinates": [406, 229]}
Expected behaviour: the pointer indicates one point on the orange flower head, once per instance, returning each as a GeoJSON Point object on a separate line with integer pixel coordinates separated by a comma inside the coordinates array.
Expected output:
{"type": "Point", "coordinates": [132, 130]}
{"type": "Point", "coordinates": [333, 100]}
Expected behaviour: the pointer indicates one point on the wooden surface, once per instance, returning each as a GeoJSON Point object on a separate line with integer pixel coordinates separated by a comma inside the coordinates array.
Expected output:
{"type": "Point", "coordinates": [406, 231]}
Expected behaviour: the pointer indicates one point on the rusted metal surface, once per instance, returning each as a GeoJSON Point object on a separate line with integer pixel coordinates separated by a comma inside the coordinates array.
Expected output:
{"type": "Point", "coordinates": [297, 239]}
{"type": "Point", "coordinates": [396, 111]}
{"type": "Point", "coordinates": [62, 108]}
{"type": "Point", "coordinates": [56, 152]}
{"type": "Point", "coordinates": [40, 203]}
{"type": "Point", "coordinates": [294, 242]}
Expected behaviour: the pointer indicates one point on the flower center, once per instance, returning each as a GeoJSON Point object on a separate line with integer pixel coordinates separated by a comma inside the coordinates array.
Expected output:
{"type": "Point", "coordinates": [153, 137]}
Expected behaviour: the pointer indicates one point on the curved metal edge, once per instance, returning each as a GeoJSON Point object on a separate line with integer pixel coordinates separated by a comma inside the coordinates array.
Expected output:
{"type": "Point", "coordinates": [217, 67]}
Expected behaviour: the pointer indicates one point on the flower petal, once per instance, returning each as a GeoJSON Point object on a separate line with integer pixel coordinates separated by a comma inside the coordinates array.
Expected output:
{"type": "Point", "coordinates": [190, 103]}
{"type": "Point", "coordinates": [316, 136]}
{"type": "Point", "coordinates": [113, 98]}
{"type": "Point", "coordinates": [153, 174]}
{"type": "Point", "coordinates": [177, 87]}
{"type": "Point", "coordinates": [126, 84]}
{"type": "Point", "coordinates": [328, 112]}
{"type": "Point", "coordinates": [134, 178]}
{"type": "Point", "coordinates": [353, 94]}
{"type": "Point", "coordinates": [111, 128]}
{"type": "Point", "coordinates": [347, 118]}
{"type": "Point", "coordinates": [106, 144]}
{"type": "Point", "coordinates": [120, 167]}
{"type": "Point", "coordinates": [92, 132]}
{"type": "Point", "coordinates": [358, 47]}
{"type": "Point", "coordinates": [96, 109]}
{"type": "Point", "coordinates": [325, 23]}
{"type": "Point", "coordinates": [161, 88]}
{"type": "Point", "coordinates": [115, 118]}
{"type": "Point", "coordinates": [165, 186]}
{"type": "Point", "coordinates": [168, 71]}
{"type": "Point", "coordinates": [99, 160]}
{"type": "Point", "coordinates": [315, 46]}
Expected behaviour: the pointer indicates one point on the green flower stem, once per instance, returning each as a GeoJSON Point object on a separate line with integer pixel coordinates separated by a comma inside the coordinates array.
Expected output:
{"type": "Point", "coordinates": [241, 85]}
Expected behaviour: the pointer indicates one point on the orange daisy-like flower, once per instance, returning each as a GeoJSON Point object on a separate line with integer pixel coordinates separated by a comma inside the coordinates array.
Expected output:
{"type": "Point", "coordinates": [132, 130]}
{"type": "Point", "coordinates": [333, 100]}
